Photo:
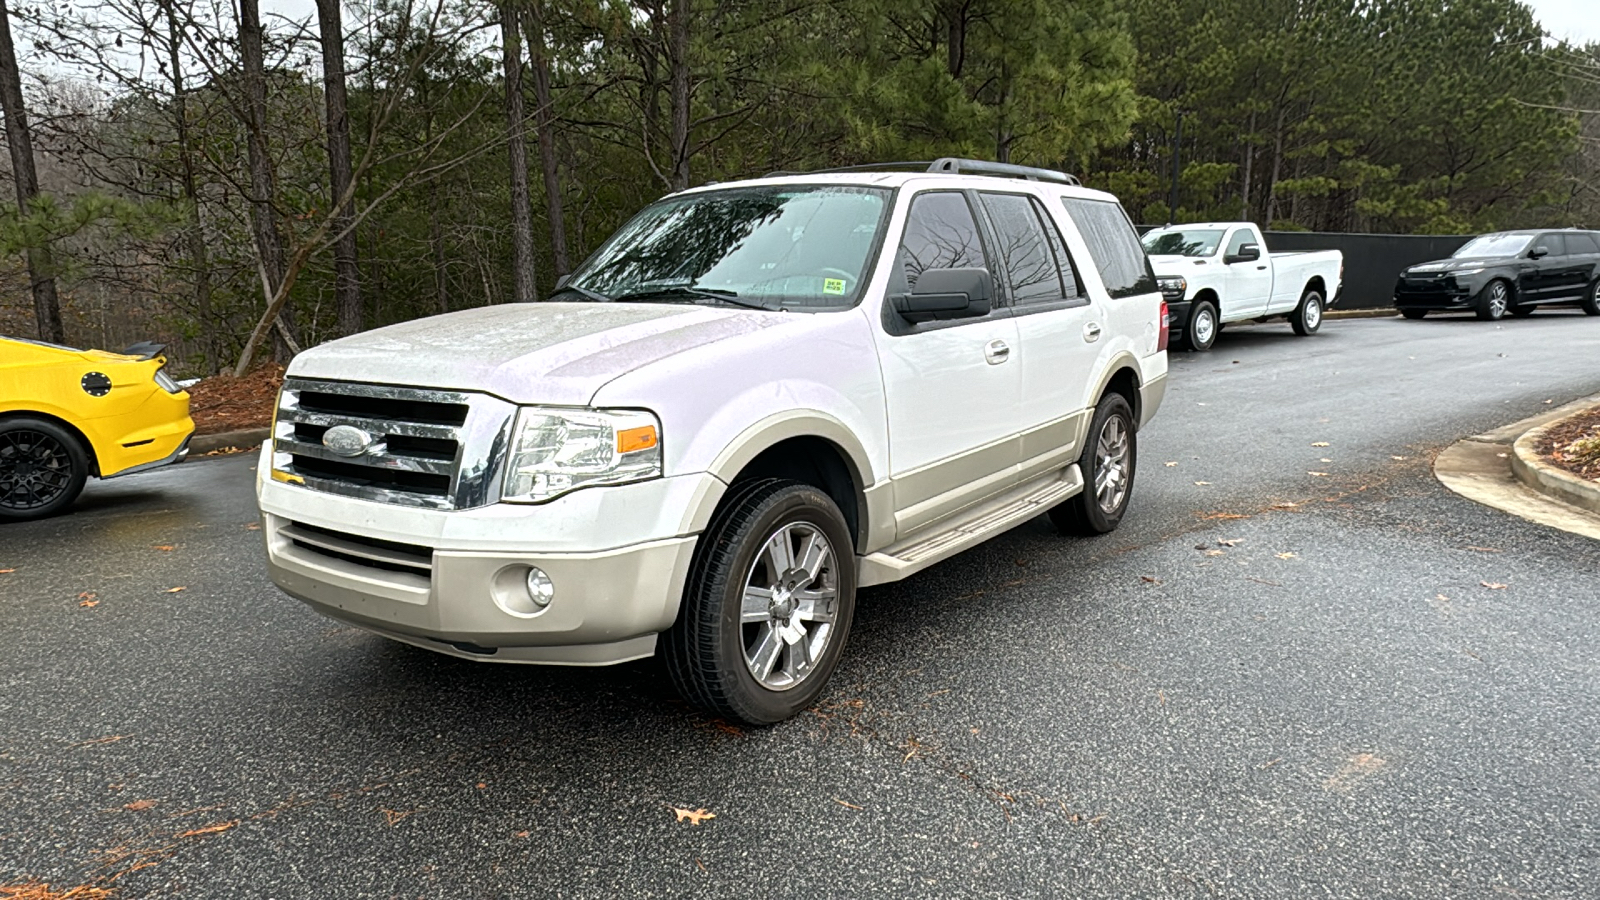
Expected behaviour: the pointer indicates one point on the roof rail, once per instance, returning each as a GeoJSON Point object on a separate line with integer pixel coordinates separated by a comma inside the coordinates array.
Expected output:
{"type": "Point", "coordinates": [953, 166]}
{"type": "Point", "coordinates": [914, 166]}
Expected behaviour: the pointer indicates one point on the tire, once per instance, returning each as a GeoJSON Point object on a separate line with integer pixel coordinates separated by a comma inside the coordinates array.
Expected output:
{"type": "Point", "coordinates": [1200, 332]}
{"type": "Point", "coordinates": [1591, 299]}
{"type": "Point", "coordinates": [1493, 300]}
{"type": "Point", "coordinates": [42, 469]}
{"type": "Point", "coordinates": [1307, 317]}
{"type": "Point", "coordinates": [1413, 313]}
{"type": "Point", "coordinates": [1099, 507]}
{"type": "Point", "coordinates": [1522, 311]}
{"type": "Point", "coordinates": [715, 657]}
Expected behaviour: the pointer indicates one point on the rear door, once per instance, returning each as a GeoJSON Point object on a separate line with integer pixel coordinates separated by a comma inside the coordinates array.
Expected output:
{"type": "Point", "coordinates": [1057, 325]}
{"type": "Point", "coordinates": [953, 388]}
{"type": "Point", "coordinates": [1249, 282]}
{"type": "Point", "coordinates": [1572, 273]}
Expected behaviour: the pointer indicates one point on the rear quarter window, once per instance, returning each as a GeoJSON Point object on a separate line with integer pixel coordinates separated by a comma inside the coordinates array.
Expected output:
{"type": "Point", "coordinates": [1113, 244]}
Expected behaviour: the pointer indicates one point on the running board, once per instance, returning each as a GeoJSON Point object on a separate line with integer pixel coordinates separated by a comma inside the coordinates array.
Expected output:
{"type": "Point", "coordinates": [970, 528]}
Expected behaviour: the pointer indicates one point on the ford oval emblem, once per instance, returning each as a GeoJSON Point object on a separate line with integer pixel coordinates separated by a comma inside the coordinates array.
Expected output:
{"type": "Point", "coordinates": [347, 440]}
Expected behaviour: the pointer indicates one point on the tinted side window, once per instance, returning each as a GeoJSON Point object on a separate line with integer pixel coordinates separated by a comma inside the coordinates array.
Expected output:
{"type": "Point", "coordinates": [1554, 243]}
{"type": "Point", "coordinates": [1582, 243]}
{"type": "Point", "coordinates": [1240, 238]}
{"type": "Point", "coordinates": [1069, 269]}
{"type": "Point", "coordinates": [1029, 264]}
{"type": "Point", "coordinates": [1114, 245]}
{"type": "Point", "coordinates": [940, 234]}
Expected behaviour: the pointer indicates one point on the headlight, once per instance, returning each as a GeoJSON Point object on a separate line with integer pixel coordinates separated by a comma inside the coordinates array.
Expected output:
{"type": "Point", "coordinates": [1463, 273]}
{"type": "Point", "coordinates": [554, 451]}
{"type": "Point", "coordinates": [165, 382]}
{"type": "Point", "coordinates": [1173, 286]}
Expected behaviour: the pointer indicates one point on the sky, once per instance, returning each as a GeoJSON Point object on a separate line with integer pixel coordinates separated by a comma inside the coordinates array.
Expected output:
{"type": "Point", "coordinates": [1575, 20]}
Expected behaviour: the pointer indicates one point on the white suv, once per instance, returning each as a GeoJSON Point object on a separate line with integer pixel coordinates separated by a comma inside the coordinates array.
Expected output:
{"type": "Point", "coordinates": [753, 400]}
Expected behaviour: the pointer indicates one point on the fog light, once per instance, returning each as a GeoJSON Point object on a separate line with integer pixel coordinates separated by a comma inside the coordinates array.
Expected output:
{"type": "Point", "coordinates": [540, 588]}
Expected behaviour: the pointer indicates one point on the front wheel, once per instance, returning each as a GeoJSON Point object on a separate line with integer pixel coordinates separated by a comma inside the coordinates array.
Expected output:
{"type": "Point", "coordinates": [1203, 326]}
{"type": "Point", "coordinates": [768, 605]}
{"type": "Point", "coordinates": [1493, 301]}
{"type": "Point", "coordinates": [1591, 299]}
{"type": "Point", "coordinates": [42, 469]}
{"type": "Point", "coordinates": [1413, 313]}
{"type": "Point", "coordinates": [1108, 462]}
{"type": "Point", "coordinates": [1307, 317]}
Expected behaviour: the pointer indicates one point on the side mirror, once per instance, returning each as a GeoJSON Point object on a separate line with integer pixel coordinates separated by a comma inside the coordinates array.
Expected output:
{"type": "Point", "coordinates": [1539, 252]}
{"type": "Point", "coordinates": [1247, 253]}
{"type": "Point", "coordinates": [947, 294]}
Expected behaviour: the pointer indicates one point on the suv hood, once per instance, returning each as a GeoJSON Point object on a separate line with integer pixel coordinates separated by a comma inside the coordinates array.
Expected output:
{"type": "Point", "coordinates": [556, 353]}
{"type": "Point", "coordinates": [1453, 263]}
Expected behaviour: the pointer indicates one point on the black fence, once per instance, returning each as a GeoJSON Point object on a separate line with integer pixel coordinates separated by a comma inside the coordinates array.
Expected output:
{"type": "Point", "coordinates": [1372, 262]}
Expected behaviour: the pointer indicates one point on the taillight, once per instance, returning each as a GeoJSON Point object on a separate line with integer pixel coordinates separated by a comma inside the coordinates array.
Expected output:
{"type": "Point", "coordinates": [1166, 327]}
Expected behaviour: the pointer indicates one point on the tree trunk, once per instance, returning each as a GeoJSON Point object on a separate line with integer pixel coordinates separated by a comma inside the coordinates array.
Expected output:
{"type": "Point", "coordinates": [543, 118]}
{"type": "Point", "coordinates": [199, 253]}
{"type": "Point", "coordinates": [263, 218]}
{"type": "Point", "coordinates": [955, 38]}
{"type": "Point", "coordinates": [41, 268]}
{"type": "Point", "coordinates": [347, 278]}
{"type": "Point", "coordinates": [678, 56]}
{"type": "Point", "coordinates": [1249, 164]}
{"type": "Point", "coordinates": [1277, 169]}
{"type": "Point", "coordinates": [522, 284]}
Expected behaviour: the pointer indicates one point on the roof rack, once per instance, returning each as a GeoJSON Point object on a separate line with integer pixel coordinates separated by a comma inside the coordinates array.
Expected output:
{"type": "Point", "coordinates": [953, 166]}
{"type": "Point", "coordinates": [950, 165]}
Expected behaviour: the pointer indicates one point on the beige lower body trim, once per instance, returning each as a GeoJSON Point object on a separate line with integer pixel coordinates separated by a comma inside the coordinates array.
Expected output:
{"type": "Point", "coordinates": [1151, 394]}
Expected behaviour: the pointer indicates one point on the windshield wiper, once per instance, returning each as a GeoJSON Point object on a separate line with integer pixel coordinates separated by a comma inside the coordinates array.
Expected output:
{"type": "Point", "coordinates": [684, 292]}
{"type": "Point", "coordinates": [584, 293]}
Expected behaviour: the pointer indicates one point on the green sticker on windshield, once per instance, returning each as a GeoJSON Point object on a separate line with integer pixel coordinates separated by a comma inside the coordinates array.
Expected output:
{"type": "Point", "coordinates": [833, 285]}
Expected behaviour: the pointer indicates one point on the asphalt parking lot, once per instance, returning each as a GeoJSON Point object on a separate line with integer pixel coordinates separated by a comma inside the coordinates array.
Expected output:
{"type": "Point", "coordinates": [1302, 668]}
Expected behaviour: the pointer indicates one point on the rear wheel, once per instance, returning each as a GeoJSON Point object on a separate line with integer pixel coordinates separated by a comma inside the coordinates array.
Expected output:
{"type": "Point", "coordinates": [1201, 331]}
{"type": "Point", "coordinates": [1107, 463]}
{"type": "Point", "coordinates": [1413, 313]}
{"type": "Point", "coordinates": [768, 605]}
{"type": "Point", "coordinates": [42, 469]}
{"type": "Point", "coordinates": [1493, 300]}
{"type": "Point", "coordinates": [1307, 317]}
{"type": "Point", "coordinates": [1591, 299]}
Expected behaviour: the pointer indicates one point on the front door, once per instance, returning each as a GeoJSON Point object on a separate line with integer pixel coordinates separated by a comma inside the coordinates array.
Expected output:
{"type": "Point", "coordinates": [1249, 282]}
{"type": "Point", "coordinates": [954, 387]}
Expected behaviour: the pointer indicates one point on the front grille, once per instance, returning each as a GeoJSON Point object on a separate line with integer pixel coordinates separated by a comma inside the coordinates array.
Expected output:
{"type": "Point", "coordinates": [389, 556]}
{"type": "Point", "coordinates": [427, 448]}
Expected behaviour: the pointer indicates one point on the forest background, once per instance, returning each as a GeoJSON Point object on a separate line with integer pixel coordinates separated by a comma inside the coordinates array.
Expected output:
{"type": "Point", "coordinates": [238, 185]}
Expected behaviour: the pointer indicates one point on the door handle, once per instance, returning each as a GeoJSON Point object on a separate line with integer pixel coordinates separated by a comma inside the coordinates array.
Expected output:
{"type": "Point", "coordinates": [996, 352]}
{"type": "Point", "coordinates": [1259, 268]}
{"type": "Point", "coordinates": [1091, 332]}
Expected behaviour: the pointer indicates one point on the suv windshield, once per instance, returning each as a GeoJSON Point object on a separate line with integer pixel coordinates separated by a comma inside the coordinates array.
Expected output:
{"type": "Point", "coordinates": [773, 247]}
{"type": "Point", "coordinates": [1197, 242]}
{"type": "Point", "coordinates": [1494, 245]}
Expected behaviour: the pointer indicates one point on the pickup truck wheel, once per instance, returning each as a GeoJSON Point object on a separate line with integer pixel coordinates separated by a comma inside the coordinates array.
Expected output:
{"type": "Point", "coordinates": [1307, 317]}
{"type": "Point", "coordinates": [1413, 313]}
{"type": "Point", "coordinates": [1107, 463]}
{"type": "Point", "coordinates": [768, 605]}
{"type": "Point", "coordinates": [42, 469]}
{"type": "Point", "coordinates": [1201, 331]}
{"type": "Point", "coordinates": [1591, 299]}
{"type": "Point", "coordinates": [1493, 300]}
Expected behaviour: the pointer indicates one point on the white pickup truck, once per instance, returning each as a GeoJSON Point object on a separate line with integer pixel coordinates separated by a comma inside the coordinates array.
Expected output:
{"type": "Point", "coordinates": [754, 399]}
{"type": "Point", "coordinates": [1220, 272]}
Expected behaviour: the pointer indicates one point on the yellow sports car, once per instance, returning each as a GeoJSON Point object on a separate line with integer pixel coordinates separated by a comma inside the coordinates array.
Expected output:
{"type": "Point", "coordinates": [67, 414]}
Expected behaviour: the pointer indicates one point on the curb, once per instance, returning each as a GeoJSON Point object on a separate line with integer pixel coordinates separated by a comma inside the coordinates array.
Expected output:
{"type": "Point", "coordinates": [1550, 480]}
{"type": "Point", "coordinates": [202, 444]}
{"type": "Point", "coordinates": [1383, 313]}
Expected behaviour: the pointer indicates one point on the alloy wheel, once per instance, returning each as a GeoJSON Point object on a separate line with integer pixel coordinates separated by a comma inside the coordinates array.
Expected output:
{"type": "Point", "coordinates": [35, 469]}
{"type": "Point", "coordinates": [791, 599]}
{"type": "Point", "coordinates": [1111, 465]}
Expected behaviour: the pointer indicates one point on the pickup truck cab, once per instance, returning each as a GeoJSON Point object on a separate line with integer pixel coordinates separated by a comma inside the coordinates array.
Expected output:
{"type": "Point", "coordinates": [67, 414]}
{"type": "Point", "coordinates": [754, 399]}
{"type": "Point", "coordinates": [1220, 272]}
{"type": "Point", "coordinates": [1506, 272]}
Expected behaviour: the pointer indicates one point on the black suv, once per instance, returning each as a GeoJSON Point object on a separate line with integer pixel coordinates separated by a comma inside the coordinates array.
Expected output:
{"type": "Point", "coordinates": [1510, 271]}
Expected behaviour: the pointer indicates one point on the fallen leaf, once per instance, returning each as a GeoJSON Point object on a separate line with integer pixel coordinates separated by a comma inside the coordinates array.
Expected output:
{"type": "Point", "coordinates": [1222, 515]}
{"type": "Point", "coordinates": [174, 590]}
{"type": "Point", "coordinates": [523, 834]}
{"type": "Point", "coordinates": [86, 595]}
{"type": "Point", "coordinates": [393, 816]}
{"type": "Point", "coordinates": [210, 829]}
{"type": "Point", "coordinates": [695, 816]}
{"type": "Point", "coordinates": [1161, 697]}
{"type": "Point", "coordinates": [139, 805]}
{"type": "Point", "coordinates": [1148, 580]}
{"type": "Point", "coordinates": [1324, 459]}
{"type": "Point", "coordinates": [1399, 458]}
{"type": "Point", "coordinates": [701, 865]}
{"type": "Point", "coordinates": [1319, 444]}
{"type": "Point", "coordinates": [1287, 555]}
{"type": "Point", "coordinates": [253, 526]}
{"type": "Point", "coordinates": [1202, 482]}
{"type": "Point", "coordinates": [1169, 465]}
{"type": "Point", "coordinates": [1214, 553]}
{"type": "Point", "coordinates": [165, 548]}
{"type": "Point", "coordinates": [6, 571]}
{"type": "Point", "coordinates": [88, 604]}
{"type": "Point", "coordinates": [481, 785]}
{"type": "Point", "coordinates": [1285, 505]}
{"type": "Point", "coordinates": [1231, 542]}
{"type": "Point", "coordinates": [1493, 585]}
{"type": "Point", "coordinates": [846, 804]}
{"type": "Point", "coordinates": [1318, 474]}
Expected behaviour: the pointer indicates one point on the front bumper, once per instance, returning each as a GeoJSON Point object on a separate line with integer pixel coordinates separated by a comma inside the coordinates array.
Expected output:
{"type": "Point", "coordinates": [1439, 293]}
{"type": "Point", "coordinates": [455, 580]}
